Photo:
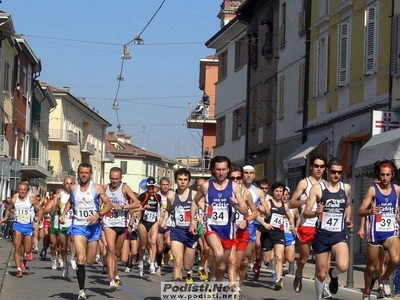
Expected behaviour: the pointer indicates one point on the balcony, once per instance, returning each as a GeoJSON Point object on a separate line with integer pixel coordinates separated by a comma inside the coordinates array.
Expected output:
{"type": "Point", "coordinates": [199, 115]}
{"type": "Point", "coordinates": [63, 136]}
{"type": "Point", "coordinates": [58, 177]}
{"type": "Point", "coordinates": [197, 165]}
{"type": "Point", "coordinates": [35, 168]}
{"type": "Point", "coordinates": [108, 157]}
{"type": "Point", "coordinates": [4, 146]}
{"type": "Point", "coordinates": [88, 148]}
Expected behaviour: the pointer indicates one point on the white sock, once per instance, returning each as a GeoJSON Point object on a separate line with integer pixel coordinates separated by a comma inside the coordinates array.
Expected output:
{"type": "Point", "coordinates": [319, 288]}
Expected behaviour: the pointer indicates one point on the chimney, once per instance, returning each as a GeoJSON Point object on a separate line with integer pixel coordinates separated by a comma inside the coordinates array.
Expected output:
{"type": "Point", "coordinates": [66, 88]}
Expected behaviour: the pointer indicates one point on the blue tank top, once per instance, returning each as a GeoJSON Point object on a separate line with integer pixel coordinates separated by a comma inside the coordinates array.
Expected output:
{"type": "Point", "coordinates": [381, 227]}
{"type": "Point", "coordinates": [181, 211]}
{"type": "Point", "coordinates": [333, 217]}
{"type": "Point", "coordinates": [220, 213]}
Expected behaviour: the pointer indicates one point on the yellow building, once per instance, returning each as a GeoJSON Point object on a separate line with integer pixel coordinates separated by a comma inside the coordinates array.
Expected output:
{"type": "Point", "coordinates": [76, 135]}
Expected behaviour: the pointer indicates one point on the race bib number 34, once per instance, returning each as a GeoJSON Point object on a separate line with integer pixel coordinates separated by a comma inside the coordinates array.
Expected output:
{"type": "Point", "coordinates": [218, 215]}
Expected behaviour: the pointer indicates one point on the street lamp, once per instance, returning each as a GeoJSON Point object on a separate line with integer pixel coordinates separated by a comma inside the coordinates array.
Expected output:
{"type": "Point", "coordinates": [138, 40]}
{"type": "Point", "coordinates": [125, 54]}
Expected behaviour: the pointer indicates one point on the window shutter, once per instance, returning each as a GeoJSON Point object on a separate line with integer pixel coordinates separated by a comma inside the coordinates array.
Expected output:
{"type": "Point", "coordinates": [315, 80]}
{"type": "Point", "coordinates": [281, 96]}
{"type": "Point", "coordinates": [324, 66]}
{"type": "Point", "coordinates": [343, 52]}
{"type": "Point", "coordinates": [300, 103]}
{"type": "Point", "coordinates": [370, 40]}
{"type": "Point", "coordinates": [394, 51]}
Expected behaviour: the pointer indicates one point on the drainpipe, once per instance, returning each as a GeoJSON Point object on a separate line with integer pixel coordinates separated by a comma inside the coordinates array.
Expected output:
{"type": "Point", "coordinates": [246, 140]}
{"type": "Point", "coordinates": [306, 76]}
{"type": "Point", "coordinates": [392, 58]}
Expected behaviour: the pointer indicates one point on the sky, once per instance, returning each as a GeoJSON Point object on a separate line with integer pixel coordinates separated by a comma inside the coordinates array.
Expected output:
{"type": "Point", "coordinates": [80, 44]}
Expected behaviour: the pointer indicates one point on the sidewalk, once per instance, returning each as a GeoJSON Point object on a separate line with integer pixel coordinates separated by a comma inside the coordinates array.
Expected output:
{"type": "Point", "coordinates": [6, 247]}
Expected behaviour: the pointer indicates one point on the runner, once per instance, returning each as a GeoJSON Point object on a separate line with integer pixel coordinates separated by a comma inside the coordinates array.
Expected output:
{"type": "Point", "coordinates": [306, 228]}
{"type": "Point", "coordinates": [85, 228]}
{"type": "Point", "coordinates": [148, 227]}
{"type": "Point", "coordinates": [116, 222]}
{"type": "Point", "coordinates": [333, 213]}
{"type": "Point", "coordinates": [183, 243]}
{"type": "Point", "coordinates": [24, 224]}
{"type": "Point", "coordinates": [215, 199]}
{"type": "Point", "coordinates": [380, 206]}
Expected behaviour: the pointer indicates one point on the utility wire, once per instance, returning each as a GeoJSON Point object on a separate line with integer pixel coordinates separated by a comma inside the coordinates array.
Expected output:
{"type": "Point", "coordinates": [120, 78]}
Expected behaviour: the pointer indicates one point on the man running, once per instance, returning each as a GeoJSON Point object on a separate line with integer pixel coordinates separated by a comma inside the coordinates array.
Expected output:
{"type": "Point", "coordinates": [116, 222]}
{"type": "Point", "coordinates": [334, 213]}
{"type": "Point", "coordinates": [306, 228]}
{"type": "Point", "coordinates": [85, 228]}
{"type": "Point", "coordinates": [215, 199]}
{"type": "Point", "coordinates": [24, 224]}
{"type": "Point", "coordinates": [380, 207]}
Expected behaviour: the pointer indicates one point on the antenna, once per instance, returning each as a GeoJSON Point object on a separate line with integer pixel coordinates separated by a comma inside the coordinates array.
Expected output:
{"type": "Point", "coordinates": [144, 138]}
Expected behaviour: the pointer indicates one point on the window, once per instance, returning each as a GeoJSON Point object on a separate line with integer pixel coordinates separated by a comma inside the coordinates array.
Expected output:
{"type": "Point", "coordinates": [281, 96]}
{"type": "Point", "coordinates": [36, 109]}
{"type": "Point", "coordinates": [343, 53]}
{"type": "Point", "coordinates": [370, 39]}
{"type": "Point", "coordinates": [240, 53]}
{"type": "Point", "coordinates": [320, 78]}
{"type": "Point", "coordinates": [238, 123]}
{"type": "Point", "coordinates": [282, 28]}
{"type": "Point", "coordinates": [124, 166]}
{"type": "Point", "coordinates": [267, 49]}
{"type": "Point", "coordinates": [222, 65]}
{"type": "Point", "coordinates": [302, 75]}
{"type": "Point", "coordinates": [254, 53]}
{"type": "Point", "coordinates": [270, 101]}
{"type": "Point", "coordinates": [220, 131]}
{"type": "Point", "coordinates": [6, 76]}
{"type": "Point", "coordinates": [323, 7]}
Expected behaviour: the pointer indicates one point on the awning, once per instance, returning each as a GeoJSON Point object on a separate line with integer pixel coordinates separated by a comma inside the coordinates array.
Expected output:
{"type": "Point", "coordinates": [298, 157]}
{"type": "Point", "coordinates": [380, 146]}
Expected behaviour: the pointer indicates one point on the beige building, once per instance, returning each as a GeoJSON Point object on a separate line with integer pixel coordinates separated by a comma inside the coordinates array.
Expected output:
{"type": "Point", "coordinates": [76, 135]}
{"type": "Point", "coordinates": [136, 164]}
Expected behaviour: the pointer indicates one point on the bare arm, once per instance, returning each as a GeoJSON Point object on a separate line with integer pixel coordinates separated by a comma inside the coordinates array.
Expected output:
{"type": "Point", "coordinates": [168, 210]}
{"type": "Point", "coordinates": [301, 187]}
{"type": "Point", "coordinates": [107, 204]}
{"type": "Point", "coordinates": [315, 196]}
{"type": "Point", "coordinates": [369, 197]}
{"type": "Point", "coordinates": [349, 207]}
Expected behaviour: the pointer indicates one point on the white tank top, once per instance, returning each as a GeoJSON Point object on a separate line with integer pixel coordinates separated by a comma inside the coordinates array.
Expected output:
{"type": "Point", "coordinates": [68, 216]}
{"type": "Point", "coordinates": [116, 217]}
{"type": "Point", "coordinates": [24, 211]}
{"type": "Point", "coordinates": [306, 194]}
{"type": "Point", "coordinates": [85, 204]}
{"type": "Point", "coordinates": [164, 199]}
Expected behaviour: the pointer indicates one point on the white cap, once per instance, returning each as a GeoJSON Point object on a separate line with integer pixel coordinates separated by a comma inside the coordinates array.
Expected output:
{"type": "Point", "coordinates": [248, 167]}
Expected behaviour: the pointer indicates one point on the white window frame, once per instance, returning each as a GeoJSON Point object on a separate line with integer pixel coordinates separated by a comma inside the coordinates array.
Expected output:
{"type": "Point", "coordinates": [370, 46]}
{"type": "Point", "coordinates": [343, 53]}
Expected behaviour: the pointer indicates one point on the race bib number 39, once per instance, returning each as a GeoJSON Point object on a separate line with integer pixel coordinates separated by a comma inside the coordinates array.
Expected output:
{"type": "Point", "coordinates": [386, 223]}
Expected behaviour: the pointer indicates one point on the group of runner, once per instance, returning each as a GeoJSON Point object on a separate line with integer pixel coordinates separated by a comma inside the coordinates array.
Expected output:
{"type": "Point", "coordinates": [233, 223]}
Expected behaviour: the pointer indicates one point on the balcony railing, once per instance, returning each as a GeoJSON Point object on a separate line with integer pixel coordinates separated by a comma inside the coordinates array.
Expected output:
{"type": "Point", "coordinates": [4, 146]}
{"type": "Point", "coordinates": [66, 136]}
{"type": "Point", "coordinates": [108, 157]}
{"type": "Point", "coordinates": [198, 111]}
{"type": "Point", "coordinates": [89, 148]}
{"type": "Point", "coordinates": [33, 161]}
{"type": "Point", "coordinates": [58, 177]}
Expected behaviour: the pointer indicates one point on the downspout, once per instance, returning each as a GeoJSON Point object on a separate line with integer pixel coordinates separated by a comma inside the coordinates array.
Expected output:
{"type": "Point", "coordinates": [246, 140]}
{"type": "Point", "coordinates": [306, 77]}
{"type": "Point", "coordinates": [392, 59]}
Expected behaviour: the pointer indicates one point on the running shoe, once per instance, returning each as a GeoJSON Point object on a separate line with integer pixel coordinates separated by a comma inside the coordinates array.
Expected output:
{"type": "Point", "coordinates": [386, 287]}
{"type": "Point", "coordinates": [82, 295]}
{"type": "Point", "coordinates": [366, 297]}
{"type": "Point", "coordinates": [60, 263]}
{"type": "Point", "coordinates": [19, 274]}
{"type": "Point", "coordinates": [256, 270]}
{"type": "Point", "coordinates": [334, 284]}
{"type": "Point", "coordinates": [35, 250]}
{"type": "Point", "coordinates": [189, 279]}
{"type": "Point", "coordinates": [278, 285]}
{"type": "Point", "coordinates": [381, 293]}
{"type": "Point", "coordinates": [158, 272]}
{"type": "Point", "coordinates": [127, 270]}
{"type": "Point", "coordinates": [54, 264]}
{"type": "Point", "coordinates": [297, 282]}
{"type": "Point", "coordinates": [374, 279]}
{"type": "Point", "coordinates": [166, 258]}
{"type": "Point", "coordinates": [29, 256]}
{"type": "Point", "coordinates": [65, 271]}
{"type": "Point", "coordinates": [98, 260]}
{"type": "Point", "coordinates": [43, 254]}
{"type": "Point", "coordinates": [117, 282]}
{"type": "Point", "coordinates": [104, 270]}
{"type": "Point", "coordinates": [73, 264]}
{"type": "Point", "coordinates": [285, 271]}
{"type": "Point", "coordinates": [22, 266]}
{"type": "Point", "coordinates": [273, 275]}
{"type": "Point", "coordinates": [327, 294]}
{"type": "Point", "coordinates": [202, 275]}
{"type": "Point", "coordinates": [152, 270]}
{"type": "Point", "coordinates": [113, 286]}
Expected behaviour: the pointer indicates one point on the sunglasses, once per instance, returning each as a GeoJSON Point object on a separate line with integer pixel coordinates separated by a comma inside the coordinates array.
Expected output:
{"type": "Point", "coordinates": [264, 188]}
{"type": "Point", "coordinates": [333, 172]}
{"type": "Point", "coordinates": [236, 178]}
{"type": "Point", "coordinates": [319, 166]}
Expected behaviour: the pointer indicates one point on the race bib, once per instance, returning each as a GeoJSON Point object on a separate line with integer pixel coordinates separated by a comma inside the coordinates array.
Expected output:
{"type": "Point", "coordinates": [85, 212]}
{"type": "Point", "coordinates": [149, 216]}
{"type": "Point", "coordinates": [386, 222]}
{"type": "Point", "coordinates": [182, 217]}
{"type": "Point", "coordinates": [332, 221]}
{"type": "Point", "coordinates": [218, 215]}
{"type": "Point", "coordinates": [22, 213]}
{"type": "Point", "coordinates": [276, 220]}
{"type": "Point", "coordinates": [238, 218]}
{"type": "Point", "coordinates": [286, 226]}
